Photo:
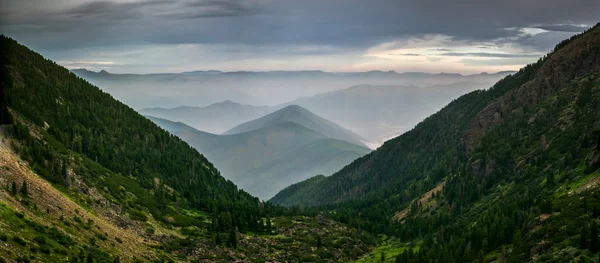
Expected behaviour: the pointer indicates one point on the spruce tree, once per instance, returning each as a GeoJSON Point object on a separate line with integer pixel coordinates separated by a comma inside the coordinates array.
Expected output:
{"type": "Point", "coordinates": [594, 242]}
{"type": "Point", "coordinates": [218, 239]}
{"type": "Point", "coordinates": [24, 189]}
{"type": "Point", "coordinates": [268, 225]}
{"type": "Point", "coordinates": [14, 188]}
{"type": "Point", "coordinates": [550, 180]}
{"type": "Point", "coordinates": [319, 241]}
{"type": "Point", "coordinates": [583, 238]}
{"type": "Point", "coordinates": [233, 238]}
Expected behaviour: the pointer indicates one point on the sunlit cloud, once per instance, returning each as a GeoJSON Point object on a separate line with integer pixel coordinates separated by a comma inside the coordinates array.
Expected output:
{"type": "Point", "coordinates": [435, 52]}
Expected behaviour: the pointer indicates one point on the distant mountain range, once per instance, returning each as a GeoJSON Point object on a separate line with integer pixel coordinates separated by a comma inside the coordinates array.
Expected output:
{"type": "Point", "coordinates": [202, 88]}
{"type": "Point", "coordinates": [265, 155]}
{"type": "Point", "coordinates": [297, 114]}
{"type": "Point", "coordinates": [380, 112]}
{"type": "Point", "coordinates": [375, 112]}
{"type": "Point", "coordinates": [215, 118]}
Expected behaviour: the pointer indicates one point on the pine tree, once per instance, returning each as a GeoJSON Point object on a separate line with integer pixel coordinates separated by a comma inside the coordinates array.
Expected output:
{"type": "Point", "coordinates": [382, 257]}
{"type": "Point", "coordinates": [594, 242]}
{"type": "Point", "coordinates": [233, 238]}
{"type": "Point", "coordinates": [319, 241]}
{"type": "Point", "coordinates": [583, 238]}
{"type": "Point", "coordinates": [218, 240]}
{"type": "Point", "coordinates": [14, 188]}
{"type": "Point", "coordinates": [550, 180]}
{"type": "Point", "coordinates": [268, 225]}
{"type": "Point", "coordinates": [24, 189]}
{"type": "Point", "coordinates": [516, 240]}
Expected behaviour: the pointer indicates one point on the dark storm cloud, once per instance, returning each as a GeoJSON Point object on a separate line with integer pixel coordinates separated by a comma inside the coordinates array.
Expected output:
{"type": "Point", "coordinates": [272, 26]}
{"type": "Point", "coordinates": [111, 11]}
{"type": "Point", "coordinates": [107, 10]}
{"type": "Point", "coordinates": [351, 24]}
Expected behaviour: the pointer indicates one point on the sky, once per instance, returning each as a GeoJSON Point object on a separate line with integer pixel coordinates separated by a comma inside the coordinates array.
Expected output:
{"type": "Point", "coordinates": [152, 36]}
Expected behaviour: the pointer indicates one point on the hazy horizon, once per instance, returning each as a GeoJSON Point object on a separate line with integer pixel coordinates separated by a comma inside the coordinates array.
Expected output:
{"type": "Point", "coordinates": [218, 71]}
{"type": "Point", "coordinates": [299, 131]}
{"type": "Point", "coordinates": [124, 36]}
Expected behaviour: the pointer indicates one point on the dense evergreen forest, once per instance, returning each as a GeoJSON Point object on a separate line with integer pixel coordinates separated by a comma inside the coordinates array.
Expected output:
{"type": "Point", "coordinates": [81, 140]}
{"type": "Point", "coordinates": [85, 120]}
{"type": "Point", "coordinates": [508, 174]}
{"type": "Point", "coordinates": [509, 164]}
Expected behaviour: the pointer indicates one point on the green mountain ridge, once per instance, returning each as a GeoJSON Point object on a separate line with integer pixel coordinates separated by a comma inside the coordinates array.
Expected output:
{"type": "Point", "coordinates": [86, 178]}
{"type": "Point", "coordinates": [496, 175]}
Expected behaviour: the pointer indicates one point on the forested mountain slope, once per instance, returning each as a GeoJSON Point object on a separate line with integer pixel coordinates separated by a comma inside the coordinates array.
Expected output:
{"type": "Point", "coordinates": [515, 165]}
{"type": "Point", "coordinates": [86, 178]}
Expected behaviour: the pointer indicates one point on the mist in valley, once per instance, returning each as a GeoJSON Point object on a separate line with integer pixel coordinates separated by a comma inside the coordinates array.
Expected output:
{"type": "Point", "coordinates": [268, 130]}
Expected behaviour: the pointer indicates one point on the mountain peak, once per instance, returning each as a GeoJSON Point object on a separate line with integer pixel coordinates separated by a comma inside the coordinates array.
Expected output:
{"type": "Point", "coordinates": [301, 116]}
{"type": "Point", "coordinates": [293, 107]}
{"type": "Point", "coordinates": [228, 102]}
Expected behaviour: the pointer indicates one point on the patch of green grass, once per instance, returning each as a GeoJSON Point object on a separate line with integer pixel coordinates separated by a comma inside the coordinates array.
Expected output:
{"type": "Point", "coordinates": [390, 248]}
{"type": "Point", "coordinates": [27, 238]}
{"type": "Point", "coordinates": [578, 182]}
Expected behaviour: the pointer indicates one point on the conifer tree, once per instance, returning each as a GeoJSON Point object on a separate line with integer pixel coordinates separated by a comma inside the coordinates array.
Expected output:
{"type": "Point", "coordinates": [268, 225]}
{"type": "Point", "coordinates": [319, 241]}
{"type": "Point", "coordinates": [14, 188]}
{"type": "Point", "coordinates": [583, 238]}
{"type": "Point", "coordinates": [233, 238]}
{"type": "Point", "coordinates": [24, 190]}
{"type": "Point", "coordinates": [594, 242]}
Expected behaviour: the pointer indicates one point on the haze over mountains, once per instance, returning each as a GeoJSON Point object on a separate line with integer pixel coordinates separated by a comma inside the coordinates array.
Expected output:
{"type": "Point", "coordinates": [214, 118]}
{"type": "Point", "coordinates": [506, 174]}
{"type": "Point", "coordinates": [125, 190]}
{"type": "Point", "coordinates": [265, 155]}
{"type": "Point", "coordinates": [375, 112]}
{"type": "Point", "coordinates": [381, 112]}
{"type": "Point", "coordinates": [171, 90]}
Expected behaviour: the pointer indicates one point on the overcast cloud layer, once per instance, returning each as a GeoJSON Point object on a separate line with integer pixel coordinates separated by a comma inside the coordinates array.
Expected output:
{"type": "Point", "coordinates": [464, 36]}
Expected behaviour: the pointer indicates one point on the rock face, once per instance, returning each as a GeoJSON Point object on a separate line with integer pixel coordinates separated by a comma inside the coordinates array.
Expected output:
{"type": "Point", "coordinates": [555, 73]}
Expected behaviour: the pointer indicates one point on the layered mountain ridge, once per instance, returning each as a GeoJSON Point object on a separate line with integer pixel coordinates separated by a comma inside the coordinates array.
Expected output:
{"type": "Point", "coordinates": [267, 154]}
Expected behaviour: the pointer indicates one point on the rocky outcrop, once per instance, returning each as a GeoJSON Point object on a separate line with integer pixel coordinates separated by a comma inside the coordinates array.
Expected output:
{"type": "Point", "coordinates": [563, 66]}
